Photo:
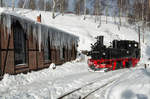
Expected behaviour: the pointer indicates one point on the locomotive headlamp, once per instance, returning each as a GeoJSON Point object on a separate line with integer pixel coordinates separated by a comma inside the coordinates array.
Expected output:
{"type": "Point", "coordinates": [129, 45]}
{"type": "Point", "coordinates": [127, 52]}
{"type": "Point", "coordinates": [104, 53]}
{"type": "Point", "coordinates": [135, 45]}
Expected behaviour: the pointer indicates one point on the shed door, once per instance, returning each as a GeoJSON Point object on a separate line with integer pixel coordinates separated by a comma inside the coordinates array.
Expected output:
{"type": "Point", "coordinates": [19, 44]}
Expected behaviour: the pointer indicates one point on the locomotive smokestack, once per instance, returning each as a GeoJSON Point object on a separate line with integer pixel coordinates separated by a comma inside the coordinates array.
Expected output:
{"type": "Point", "coordinates": [100, 39]}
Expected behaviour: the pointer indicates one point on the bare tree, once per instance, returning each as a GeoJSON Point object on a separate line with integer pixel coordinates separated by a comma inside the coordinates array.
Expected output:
{"type": "Point", "coordinates": [120, 12]}
{"type": "Point", "coordinates": [20, 3]}
{"type": "Point", "coordinates": [96, 9]}
{"type": "Point", "coordinates": [149, 3]}
{"type": "Point", "coordinates": [54, 7]}
{"type": "Point", "coordinates": [24, 4]}
{"type": "Point", "coordinates": [142, 9]}
{"type": "Point", "coordinates": [79, 6]}
{"type": "Point", "coordinates": [13, 4]}
{"type": "Point", "coordinates": [100, 21]}
{"type": "Point", "coordinates": [45, 5]}
{"type": "Point", "coordinates": [84, 9]}
{"type": "Point", "coordinates": [1, 3]}
{"type": "Point", "coordinates": [41, 4]}
{"type": "Point", "coordinates": [48, 6]}
{"type": "Point", "coordinates": [32, 4]}
{"type": "Point", "coordinates": [62, 8]}
{"type": "Point", "coordinates": [106, 12]}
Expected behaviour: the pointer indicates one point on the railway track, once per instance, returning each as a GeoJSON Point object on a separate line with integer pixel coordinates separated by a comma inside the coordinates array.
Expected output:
{"type": "Point", "coordinates": [98, 88]}
{"type": "Point", "coordinates": [87, 90]}
{"type": "Point", "coordinates": [75, 92]}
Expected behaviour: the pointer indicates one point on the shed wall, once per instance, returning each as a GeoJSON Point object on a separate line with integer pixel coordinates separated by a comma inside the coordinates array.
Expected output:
{"type": "Point", "coordinates": [35, 56]}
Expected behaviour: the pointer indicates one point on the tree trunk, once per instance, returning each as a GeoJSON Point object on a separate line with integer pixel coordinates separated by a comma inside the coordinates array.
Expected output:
{"type": "Point", "coordinates": [149, 3]}
{"type": "Point", "coordinates": [13, 4]}
{"type": "Point", "coordinates": [139, 36]}
{"type": "Point", "coordinates": [54, 5]}
{"type": "Point", "coordinates": [44, 5]}
{"type": "Point", "coordinates": [115, 19]}
{"type": "Point", "coordinates": [120, 14]}
{"type": "Point", "coordinates": [1, 3]}
{"type": "Point", "coordinates": [100, 22]}
{"type": "Point", "coordinates": [106, 14]}
{"type": "Point", "coordinates": [61, 4]}
{"type": "Point", "coordinates": [24, 3]}
{"type": "Point", "coordinates": [84, 9]}
{"type": "Point", "coordinates": [143, 33]}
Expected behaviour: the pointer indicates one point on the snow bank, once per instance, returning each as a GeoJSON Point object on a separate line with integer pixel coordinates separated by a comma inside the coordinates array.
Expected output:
{"type": "Point", "coordinates": [136, 85]}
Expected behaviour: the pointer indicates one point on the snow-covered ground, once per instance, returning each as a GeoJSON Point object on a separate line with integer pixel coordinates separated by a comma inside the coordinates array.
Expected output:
{"type": "Point", "coordinates": [133, 83]}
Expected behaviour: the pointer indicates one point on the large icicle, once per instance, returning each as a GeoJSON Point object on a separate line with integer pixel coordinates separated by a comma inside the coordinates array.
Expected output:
{"type": "Point", "coordinates": [34, 32]}
{"type": "Point", "coordinates": [8, 24]}
{"type": "Point", "coordinates": [4, 25]}
{"type": "Point", "coordinates": [39, 36]}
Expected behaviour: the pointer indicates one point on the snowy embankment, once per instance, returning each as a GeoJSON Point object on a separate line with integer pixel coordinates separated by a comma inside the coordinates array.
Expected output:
{"type": "Point", "coordinates": [133, 83]}
{"type": "Point", "coordinates": [136, 85]}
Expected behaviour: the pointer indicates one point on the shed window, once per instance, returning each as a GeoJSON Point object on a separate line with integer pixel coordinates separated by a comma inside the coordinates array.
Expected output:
{"type": "Point", "coordinates": [47, 51]}
{"type": "Point", "coordinates": [19, 44]}
{"type": "Point", "coordinates": [63, 52]}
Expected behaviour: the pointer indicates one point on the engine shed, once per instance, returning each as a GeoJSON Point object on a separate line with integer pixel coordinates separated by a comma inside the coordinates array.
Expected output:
{"type": "Point", "coordinates": [26, 45]}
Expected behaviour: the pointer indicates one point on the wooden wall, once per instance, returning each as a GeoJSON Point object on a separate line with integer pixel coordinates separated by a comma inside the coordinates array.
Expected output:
{"type": "Point", "coordinates": [35, 58]}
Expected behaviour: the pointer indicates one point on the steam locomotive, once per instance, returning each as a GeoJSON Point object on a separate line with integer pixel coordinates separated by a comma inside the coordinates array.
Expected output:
{"type": "Point", "coordinates": [121, 54]}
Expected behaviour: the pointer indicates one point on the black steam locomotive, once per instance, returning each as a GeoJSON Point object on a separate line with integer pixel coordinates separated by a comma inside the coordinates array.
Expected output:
{"type": "Point", "coordinates": [121, 54]}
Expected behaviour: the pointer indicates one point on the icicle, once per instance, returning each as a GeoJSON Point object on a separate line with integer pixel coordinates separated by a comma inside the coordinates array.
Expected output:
{"type": "Point", "coordinates": [4, 25]}
{"type": "Point", "coordinates": [8, 24]}
{"type": "Point", "coordinates": [34, 32]}
{"type": "Point", "coordinates": [28, 29]}
{"type": "Point", "coordinates": [44, 36]}
{"type": "Point", "coordinates": [39, 37]}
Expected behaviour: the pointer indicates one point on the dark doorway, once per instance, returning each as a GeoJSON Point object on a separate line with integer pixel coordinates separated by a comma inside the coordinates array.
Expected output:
{"type": "Point", "coordinates": [47, 49]}
{"type": "Point", "coordinates": [0, 60]}
{"type": "Point", "coordinates": [19, 44]}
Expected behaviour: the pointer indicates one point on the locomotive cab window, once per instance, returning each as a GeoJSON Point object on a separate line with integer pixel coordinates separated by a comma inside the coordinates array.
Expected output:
{"type": "Point", "coordinates": [19, 44]}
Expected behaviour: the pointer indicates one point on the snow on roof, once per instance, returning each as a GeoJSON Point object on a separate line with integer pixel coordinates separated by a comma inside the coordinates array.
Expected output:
{"type": "Point", "coordinates": [41, 32]}
{"type": "Point", "coordinates": [9, 12]}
